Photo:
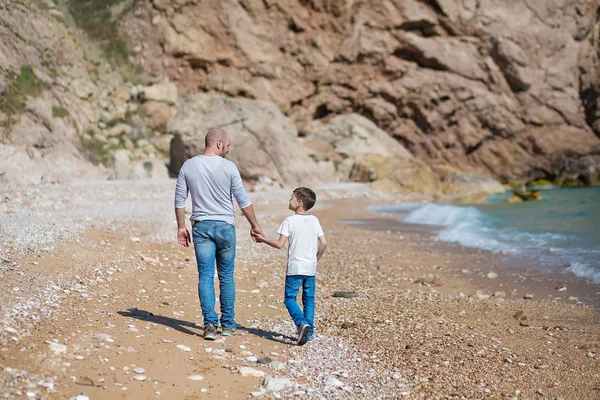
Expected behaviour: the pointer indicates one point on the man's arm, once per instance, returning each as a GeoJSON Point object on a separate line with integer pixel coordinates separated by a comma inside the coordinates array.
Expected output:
{"type": "Point", "coordinates": [251, 217]}
{"type": "Point", "coordinates": [322, 247]}
{"type": "Point", "coordinates": [183, 235]}
{"type": "Point", "coordinates": [278, 244]}
{"type": "Point", "coordinates": [181, 193]}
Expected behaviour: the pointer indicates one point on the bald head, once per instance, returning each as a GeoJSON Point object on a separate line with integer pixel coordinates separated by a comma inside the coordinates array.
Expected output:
{"type": "Point", "coordinates": [215, 135]}
{"type": "Point", "coordinates": [216, 142]}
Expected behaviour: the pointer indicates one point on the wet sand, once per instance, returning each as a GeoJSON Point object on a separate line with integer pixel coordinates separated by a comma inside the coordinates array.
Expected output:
{"type": "Point", "coordinates": [116, 293]}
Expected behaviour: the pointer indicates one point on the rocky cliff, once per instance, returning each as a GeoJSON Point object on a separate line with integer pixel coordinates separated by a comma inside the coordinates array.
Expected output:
{"type": "Point", "coordinates": [505, 89]}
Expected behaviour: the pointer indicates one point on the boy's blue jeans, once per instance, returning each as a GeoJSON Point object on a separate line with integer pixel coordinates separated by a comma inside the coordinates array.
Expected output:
{"type": "Point", "coordinates": [293, 283]}
{"type": "Point", "coordinates": [214, 241]}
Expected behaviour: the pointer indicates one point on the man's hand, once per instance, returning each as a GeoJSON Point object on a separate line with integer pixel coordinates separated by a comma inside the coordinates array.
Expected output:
{"type": "Point", "coordinates": [258, 238]}
{"type": "Point", "coordinates": [183, 237]}
{"type": "Point", "coordinates": [256, 231]}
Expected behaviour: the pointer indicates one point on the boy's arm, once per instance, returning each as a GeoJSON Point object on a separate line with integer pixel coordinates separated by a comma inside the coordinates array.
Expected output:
{"type": "Point", "coordinates": [278, 244]}
{"type": "Point", "coordinates": [322, 247]}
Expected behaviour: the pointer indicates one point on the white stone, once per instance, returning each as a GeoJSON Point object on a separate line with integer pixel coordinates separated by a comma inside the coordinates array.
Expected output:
{"type": "Point", "coordinates": [165, 92]}
{"type": "Point", "coordinates": [251, 359]}
{"type": "Point", "coordinates": [81, 396]}
{"type": "Point", "coordinates": [47, 384]}
{"type": "Point", "coordinates": [277, 365]}
{"type": "Point", "coordinates": [274, 384]}
{"type": "Point", "coordinates": [139, 377]}
{"type": "Point", "coordinates": [139, 370]}
{"type": "Point", "coordinates": [247, 371]}
{"type": "Point", "coordinates": [492, 275]}
{"type": "Point", "coordinates": [260, 393]}
{"type": "Point", "coordinates": [183, 347]}
{"type": "Point", "coordinates": [196, 377]}
{"type": "Point", "coordinates": [333, 382]}
{"type": "Point", "coordinates": [57, 348]}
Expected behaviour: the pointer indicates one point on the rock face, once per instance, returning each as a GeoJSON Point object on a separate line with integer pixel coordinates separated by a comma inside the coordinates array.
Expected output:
{"type": "Point", "coordinates": [264, 143]}
{"type": "Point", "coordinates": [44, 108]}
{"type": "Point", "coordinates": [434, 96]}
{"type": "Point", "coordinates": [489, 87]}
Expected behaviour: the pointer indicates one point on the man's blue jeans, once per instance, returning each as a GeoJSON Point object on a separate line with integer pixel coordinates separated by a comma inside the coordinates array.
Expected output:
{"type": "Point", "coordinates": [293, 283]}
{"type": "Point", "coordinates": [214, 241]}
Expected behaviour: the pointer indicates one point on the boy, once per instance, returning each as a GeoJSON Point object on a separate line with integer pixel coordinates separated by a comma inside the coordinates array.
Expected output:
{"type": "Point", "coordinates": [307, 245]}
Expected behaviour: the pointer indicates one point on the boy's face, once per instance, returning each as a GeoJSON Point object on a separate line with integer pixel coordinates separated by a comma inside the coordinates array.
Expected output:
{"type": "Point", "coordinates": [294, 204]}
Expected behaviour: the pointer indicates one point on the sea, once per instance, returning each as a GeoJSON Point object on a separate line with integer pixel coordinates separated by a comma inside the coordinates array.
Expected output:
{"type": "Point", "coordinates": [560, 233]}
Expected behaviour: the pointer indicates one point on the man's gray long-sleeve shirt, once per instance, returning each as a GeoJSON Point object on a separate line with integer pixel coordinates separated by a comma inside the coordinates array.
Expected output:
{"type": "Point", "coordinates": [211, 181]}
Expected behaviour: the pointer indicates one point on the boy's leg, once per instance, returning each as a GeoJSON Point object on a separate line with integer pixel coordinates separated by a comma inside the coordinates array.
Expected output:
{"type": "Point", "coordinates": [205, 248]}
{"type": "Point", "coordinates": [292, 287]}
{"type": "Point", "coordinates": [309, 287]}
{"type": "Point", "coordinates": [225, 240]}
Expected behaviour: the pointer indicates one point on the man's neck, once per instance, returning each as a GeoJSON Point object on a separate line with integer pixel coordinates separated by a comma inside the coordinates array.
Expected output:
{"type": "Point", "coordinates": [210, 154]}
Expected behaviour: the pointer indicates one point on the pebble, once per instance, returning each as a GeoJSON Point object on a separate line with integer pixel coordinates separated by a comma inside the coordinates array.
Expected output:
{"type": "Point", "coordinates": [84, 381]}
{"type": "Point", "coordinates": [183, 347]}
{"type": "Point", "coordinates": [278, 365]}
{"type": "Point", "coordinates": [259, 393]}
{"type": "Point", "coordinates": [57, 348]}
{"type": "Point", "coordinates": [247, 371]}
{"type": "Point", "coordinates": [196, 377]}
{"type": "Point", "coordinates": [265, 360]}
{"type": "Point", "coordinates": [333, 382]}
{"type": "Point", "coordinates": [139, 370]}
{"type": "Point", "coordinates": [166, 341]}
{"type": "Point", "coordinates": [528, 296]}
{"type": "Point", "coordinates": [81, 396]}
{"type": "Point", "coordinates": [492, 275]}
{"type": "Point", "coordinates": [251, 359]}
{"type": "Point", "coordinates": [345, 295]}
{"type": "Point", "coordinates": [273, 384]}
{"type": "Point", "coordinates": [139, 377]}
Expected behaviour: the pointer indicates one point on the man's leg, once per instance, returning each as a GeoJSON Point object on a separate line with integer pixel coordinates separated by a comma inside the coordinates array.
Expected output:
{"type": "Point", "coordinates": [309, 287]}
{"type": "Point", "coordinates": [292, 287]}
{"type": "Point", "coordinates": [205, 258]}
{"type": "Point", "coordinates": [225, 240]}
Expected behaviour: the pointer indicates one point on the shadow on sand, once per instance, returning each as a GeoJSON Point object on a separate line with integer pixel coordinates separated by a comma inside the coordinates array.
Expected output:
{"type": "Point", "coordinates": [182, 326]}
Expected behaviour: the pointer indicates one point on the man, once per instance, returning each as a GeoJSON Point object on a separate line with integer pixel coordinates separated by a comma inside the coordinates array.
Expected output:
{"type": "Point", "coordinates": [211, 181]}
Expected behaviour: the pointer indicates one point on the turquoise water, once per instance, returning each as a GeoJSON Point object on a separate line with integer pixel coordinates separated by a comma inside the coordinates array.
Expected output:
{"type": "Point", "coordinates": [561, 231]}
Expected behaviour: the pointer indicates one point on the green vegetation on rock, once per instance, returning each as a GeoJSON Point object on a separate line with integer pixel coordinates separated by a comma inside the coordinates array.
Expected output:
{"type": "Point", "coordinates": [59, 112]}
{"type": "Point", "coordinates": [100, 18]}
{"type": "Point", "coordinates": [540, 182]}
{"type": "Point", "coordinates": [20, 86]}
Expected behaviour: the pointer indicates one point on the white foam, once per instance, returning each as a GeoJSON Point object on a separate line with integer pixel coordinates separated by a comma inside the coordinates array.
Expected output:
{"type": "Point", "coordinates": [471, 227]}
{"type": "Point", "coordinates": [585, 271]}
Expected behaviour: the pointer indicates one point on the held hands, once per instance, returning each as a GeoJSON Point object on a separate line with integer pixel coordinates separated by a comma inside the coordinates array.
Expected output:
{"type": "Point", "coordinates": [257, 235]}
{"type": "Point", "coordinates": [183, 237]}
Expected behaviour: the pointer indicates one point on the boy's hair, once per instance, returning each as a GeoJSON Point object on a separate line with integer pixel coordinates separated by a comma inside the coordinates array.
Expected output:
{"type": "Point", "coordinates": [307, 196]}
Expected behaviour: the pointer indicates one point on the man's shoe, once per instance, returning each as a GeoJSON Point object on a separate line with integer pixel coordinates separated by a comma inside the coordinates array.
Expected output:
{"type": "Point", "coordinates": [228, 331]}
{"type": "Point", "coordinates": [303, 334]}
{"type": "Point", "coordinates": [210, 332]}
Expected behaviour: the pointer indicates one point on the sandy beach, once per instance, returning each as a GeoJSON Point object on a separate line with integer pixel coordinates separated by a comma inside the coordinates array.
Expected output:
{"type": "Point", "coordinates": [98, 300]}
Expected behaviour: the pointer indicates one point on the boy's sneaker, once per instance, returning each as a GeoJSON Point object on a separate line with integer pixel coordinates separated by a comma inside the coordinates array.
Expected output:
{"type": "Point", "coordinates": [303, 330]}
{"type": "Point", "coordinates": [210, 332]}
{"type": "Point", "coordinates": [228, 331]}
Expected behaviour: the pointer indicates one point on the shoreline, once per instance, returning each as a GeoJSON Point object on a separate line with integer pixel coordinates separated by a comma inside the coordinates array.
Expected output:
{"type": "Point", "coordinates": [541, 281]}
{"type": "Point", "coordinates": [109, 291]}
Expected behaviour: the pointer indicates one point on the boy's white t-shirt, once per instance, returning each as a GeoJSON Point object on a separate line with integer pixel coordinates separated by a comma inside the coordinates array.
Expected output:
{"type": "Point", "coordinates": [303, 231]}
